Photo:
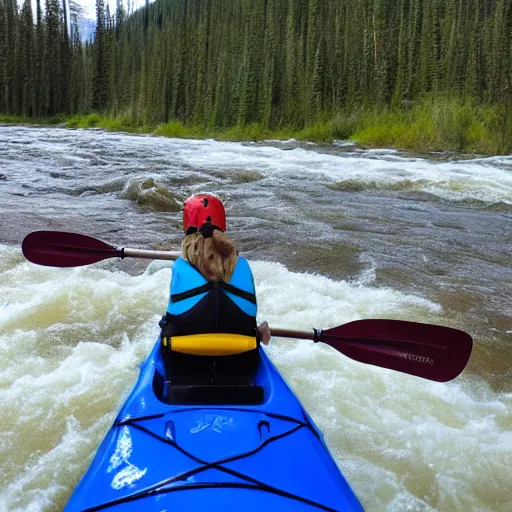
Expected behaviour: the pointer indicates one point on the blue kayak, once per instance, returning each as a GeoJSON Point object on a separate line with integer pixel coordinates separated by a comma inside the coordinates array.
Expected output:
{"type": "Point", "coordinates": [249, 447]}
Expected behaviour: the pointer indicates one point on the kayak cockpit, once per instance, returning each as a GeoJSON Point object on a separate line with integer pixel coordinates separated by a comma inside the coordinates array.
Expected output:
{"type": "Point", "coordinates": [209, 369]}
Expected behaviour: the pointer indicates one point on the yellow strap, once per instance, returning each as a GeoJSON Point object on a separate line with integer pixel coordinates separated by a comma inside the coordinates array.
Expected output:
{"type": "Point", "coordinates": [217, 344]}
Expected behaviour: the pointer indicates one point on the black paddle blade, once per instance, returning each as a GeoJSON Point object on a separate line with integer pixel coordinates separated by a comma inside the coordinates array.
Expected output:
{"type": "Point", "coordinates": [62, 249]}
{"type": "Point", "coordinates": [430, 351]}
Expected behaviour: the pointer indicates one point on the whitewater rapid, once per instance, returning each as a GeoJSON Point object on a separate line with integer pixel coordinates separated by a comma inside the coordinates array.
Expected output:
{"type": "Point", "coordinates": [71, 342]}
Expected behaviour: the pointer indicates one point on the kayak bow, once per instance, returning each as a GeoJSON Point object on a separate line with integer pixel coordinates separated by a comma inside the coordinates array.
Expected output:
{"type": "Point", "coordinates": [218, 452]}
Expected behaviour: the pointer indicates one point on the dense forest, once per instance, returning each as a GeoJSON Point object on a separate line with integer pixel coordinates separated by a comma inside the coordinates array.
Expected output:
{"type": "Point", "coordinates": [234, 62]}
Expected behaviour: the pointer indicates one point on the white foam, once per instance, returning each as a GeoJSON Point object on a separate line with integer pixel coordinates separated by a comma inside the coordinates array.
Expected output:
{"type": "Point", "coordinates": [488, 180]}
{"type": "Point", "coordinates": [479, 179]}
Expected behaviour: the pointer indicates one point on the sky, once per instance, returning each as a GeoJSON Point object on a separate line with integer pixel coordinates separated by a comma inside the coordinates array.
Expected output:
{"type": "Point", "coordinates": [90, 6]}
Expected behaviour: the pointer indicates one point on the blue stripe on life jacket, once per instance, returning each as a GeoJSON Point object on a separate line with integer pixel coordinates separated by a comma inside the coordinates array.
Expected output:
{"type": "Point", "coordinates": [242, 278]}
{"type": "Point", "coordinates": [185, 277]}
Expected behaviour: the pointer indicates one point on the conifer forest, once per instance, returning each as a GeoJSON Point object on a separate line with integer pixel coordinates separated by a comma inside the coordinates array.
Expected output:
{"type": "Point", "coordinates": [225, 63]}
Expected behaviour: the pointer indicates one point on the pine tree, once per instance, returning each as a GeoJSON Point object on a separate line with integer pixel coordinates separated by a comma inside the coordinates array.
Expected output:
{"type": "Point", "coordinates": [25, 61]}
{"type": "Point", "coordinates": [100, 77]}
{"type": "Point", "coordinates": [3, 59]}
{"type": "Point", "coordinates": [39, 53]}
{"type": "Point", "coordinates": [318, 80]}
{"type": "Point", "coordinates": [266, 97]}
{"type": "Point", "coordinates": [10, 37]}
{"type": "Point", "coordinates": [52, 59]}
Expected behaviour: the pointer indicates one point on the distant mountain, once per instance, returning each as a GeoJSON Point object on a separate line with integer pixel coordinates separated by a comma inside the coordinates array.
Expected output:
{"type": "Point", "coordinates": [87, 27]}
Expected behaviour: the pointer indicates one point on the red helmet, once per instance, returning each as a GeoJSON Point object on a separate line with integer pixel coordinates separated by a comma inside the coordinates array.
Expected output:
{"type": "Point", "coordinates": [201, 209]}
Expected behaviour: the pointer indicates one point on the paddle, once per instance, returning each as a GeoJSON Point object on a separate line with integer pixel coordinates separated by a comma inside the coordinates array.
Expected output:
{"type": "Point", "coordinates": [429, 351]}
{"type": "Point", "coordinates": [63, 249]}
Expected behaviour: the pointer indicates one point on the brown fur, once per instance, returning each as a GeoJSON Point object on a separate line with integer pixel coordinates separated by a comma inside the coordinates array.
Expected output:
{"type": "Point", "coordinates": [214, 257]}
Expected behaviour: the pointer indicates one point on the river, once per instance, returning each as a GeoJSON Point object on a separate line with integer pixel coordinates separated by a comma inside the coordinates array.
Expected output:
{"type": "Point", "coordinates": [334, 233]}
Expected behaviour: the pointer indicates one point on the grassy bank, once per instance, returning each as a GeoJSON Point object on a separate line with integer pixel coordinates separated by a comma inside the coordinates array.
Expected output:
{"type": "Point", "coordinates": [426, 126]}
{"type": "Point", "coordinates": [31, 120]}
{"type": "Point", "coordinates": [438, 125]}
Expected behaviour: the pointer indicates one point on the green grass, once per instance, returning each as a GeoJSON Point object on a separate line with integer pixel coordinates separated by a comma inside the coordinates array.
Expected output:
{"type": "Point", "coordinates": [439, 124]}
{"type": "Point", "coordinates": [110, 123]}
{"type": "Point", "coordinates": [431, 124]}
{"type": "Point", "coordinates": [254, 131]}
{"type": "Point", "coordinates": [31, 120]}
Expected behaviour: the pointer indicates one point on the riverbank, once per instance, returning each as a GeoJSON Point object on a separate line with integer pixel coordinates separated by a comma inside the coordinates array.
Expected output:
{"type": "Point", "coordinates": [432, 125]}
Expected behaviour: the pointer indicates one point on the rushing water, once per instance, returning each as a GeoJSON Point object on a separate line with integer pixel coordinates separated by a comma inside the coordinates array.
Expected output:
{"type": "Point", "coordinates": [334, 234]}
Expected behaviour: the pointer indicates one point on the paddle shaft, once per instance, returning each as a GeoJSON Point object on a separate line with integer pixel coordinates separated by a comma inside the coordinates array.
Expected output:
{"type": "Point", "coordinates": [129, 252]}
{"type": "Point", "coordinates": [291, 333]}
{"type": "Point", "coordinates": [317, 335]}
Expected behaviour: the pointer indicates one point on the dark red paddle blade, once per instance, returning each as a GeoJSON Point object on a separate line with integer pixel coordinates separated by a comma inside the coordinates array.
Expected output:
{"type": "Point", "coordinates": [62, 249]}
{"type": "Point", "coordinates": [430, 351]}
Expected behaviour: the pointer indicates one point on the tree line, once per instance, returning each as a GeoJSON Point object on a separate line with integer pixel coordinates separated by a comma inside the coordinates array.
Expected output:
{"type": "Point", "coordinates": [234, 62]}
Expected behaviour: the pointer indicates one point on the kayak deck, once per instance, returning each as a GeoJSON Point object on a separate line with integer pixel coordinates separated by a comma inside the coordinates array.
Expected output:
{"type": "Point", "coordinates": [161, 457]}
